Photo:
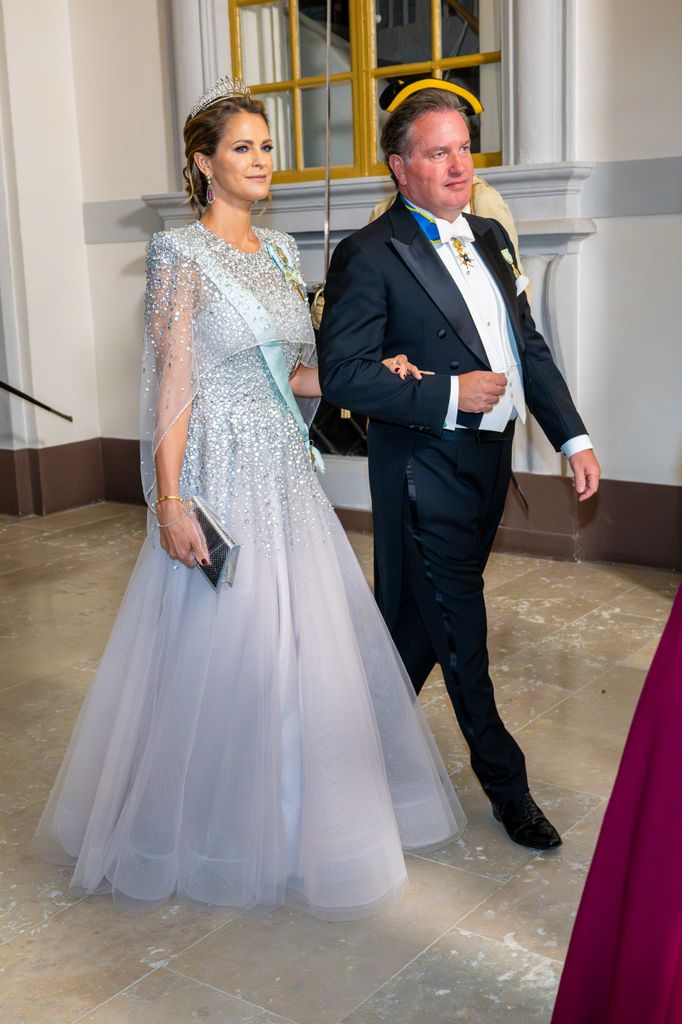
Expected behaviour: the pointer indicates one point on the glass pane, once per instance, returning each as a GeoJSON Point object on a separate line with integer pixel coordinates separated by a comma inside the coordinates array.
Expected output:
{"type": "Point", "coordinates": [470, 26]}
{"type": "Point", "coordinates": [403, 31]}
{"type": "Point", "coordinates": [313, 107]}
{"type": "Point", "coordinates": [312, 22]}
{"type": "Point", "coordinates": [279, 108]}
{"type": "Point", "coordinates": [485, 129]}
{"type": "Point", "coordinates": [266, 50]}
{"type": "Point", "coordinates": [491, 119]}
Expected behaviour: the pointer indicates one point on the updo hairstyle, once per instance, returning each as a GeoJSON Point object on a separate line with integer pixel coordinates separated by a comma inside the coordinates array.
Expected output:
{"type": "Point", "coordinates": [203, 133]}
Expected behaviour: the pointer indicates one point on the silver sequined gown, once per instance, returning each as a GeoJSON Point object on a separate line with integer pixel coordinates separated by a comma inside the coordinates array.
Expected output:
{"type": "Point", "coordinates": [262, 744]}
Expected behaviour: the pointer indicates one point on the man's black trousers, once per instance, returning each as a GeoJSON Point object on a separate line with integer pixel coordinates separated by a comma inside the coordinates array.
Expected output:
{"type": "Point", "coordinates": [455, 489]}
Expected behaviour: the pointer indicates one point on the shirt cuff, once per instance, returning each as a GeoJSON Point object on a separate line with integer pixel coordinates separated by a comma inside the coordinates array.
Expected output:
{"type": "Point", "coordinates": [576, 444]}
{"type": "Point", "coordinates": [451, 415]}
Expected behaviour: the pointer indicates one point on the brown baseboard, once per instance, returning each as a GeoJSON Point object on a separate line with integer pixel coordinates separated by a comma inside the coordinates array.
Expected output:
{"type": "Point", "coordinates": [39, 481]}
{"type": "Point", "coordinates": [121, 470]}
{"type": "Point", "coordinates": [624, 522]}
{"type": "Point", "coordinates": [358, 520]}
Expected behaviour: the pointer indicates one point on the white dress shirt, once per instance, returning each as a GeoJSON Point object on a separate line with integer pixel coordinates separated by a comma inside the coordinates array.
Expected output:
{"type": "Point", "coordinates": [491, 319]}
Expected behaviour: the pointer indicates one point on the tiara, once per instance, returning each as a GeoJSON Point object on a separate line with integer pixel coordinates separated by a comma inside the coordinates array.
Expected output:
{"type": "Point", "coordinates": [221, 90]}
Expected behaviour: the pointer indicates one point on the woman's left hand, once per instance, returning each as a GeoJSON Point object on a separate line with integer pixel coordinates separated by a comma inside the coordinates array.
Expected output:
{"type": "Point", "coordinates": [402, 366]}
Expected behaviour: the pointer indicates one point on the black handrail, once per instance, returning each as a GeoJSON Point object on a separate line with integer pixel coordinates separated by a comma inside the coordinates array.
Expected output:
{"type": "Point", "coordinates": [33, 401]}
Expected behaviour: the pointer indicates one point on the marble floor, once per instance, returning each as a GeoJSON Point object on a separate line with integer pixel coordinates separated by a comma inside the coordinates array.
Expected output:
{"type": "Point", "coordinates": [480, 934]}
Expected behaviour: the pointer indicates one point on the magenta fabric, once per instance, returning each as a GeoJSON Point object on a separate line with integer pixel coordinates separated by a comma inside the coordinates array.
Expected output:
{"type": "Point", "coordinates": [624, 963]}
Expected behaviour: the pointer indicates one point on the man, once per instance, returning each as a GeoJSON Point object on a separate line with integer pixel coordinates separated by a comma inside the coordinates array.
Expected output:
{"type": "Point", "coordinates": [442, 287]}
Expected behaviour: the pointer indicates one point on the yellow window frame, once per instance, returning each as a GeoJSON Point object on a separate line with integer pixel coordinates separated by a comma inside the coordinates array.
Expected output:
{"type": "Point", "coordinates": [362, 77]}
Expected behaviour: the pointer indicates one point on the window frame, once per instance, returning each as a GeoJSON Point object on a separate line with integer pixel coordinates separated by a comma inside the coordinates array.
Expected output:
{"type": "Point", "coordinates": [362, 78]}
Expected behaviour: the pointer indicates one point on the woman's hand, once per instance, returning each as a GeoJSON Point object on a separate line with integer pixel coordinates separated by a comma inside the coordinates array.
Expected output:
{"type": "Point", "coordinates": [305, 382]}
{"type": "Point", "coordinates": [180, 535]}
{"type": "Point", "coordinates": [401, 365]}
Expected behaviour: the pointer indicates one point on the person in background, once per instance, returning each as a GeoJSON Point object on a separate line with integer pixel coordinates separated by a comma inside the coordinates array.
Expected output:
{"type": "Point", "coordinates": [624, 960]}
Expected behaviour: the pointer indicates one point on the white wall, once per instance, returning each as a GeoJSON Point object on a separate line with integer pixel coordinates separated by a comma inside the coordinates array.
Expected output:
{"type": "Point", "coordinates": [89, 102]}
{"type": "Point", "coordinates": [49, 187]}
{"type": "Point", "coordinates": [630, 355]}
{"type": "Point", "coordinates": [122, 95]}
{"type": "Point", "coordinates": [126, 134]}
{"type": "Point", "coordinates": [117, 280]}
{"type": "Point", "coordinates": [628, 91]}
{"type": "Point", "coordinates": [629, 79]}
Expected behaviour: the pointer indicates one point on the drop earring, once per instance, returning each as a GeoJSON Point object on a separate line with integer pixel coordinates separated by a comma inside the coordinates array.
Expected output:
{"type": "Point", "coordinates": [210, 194]}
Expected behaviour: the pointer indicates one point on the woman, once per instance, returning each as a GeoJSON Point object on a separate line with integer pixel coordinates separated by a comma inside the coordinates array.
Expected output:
{"type": "Point", "coordinates": [260, 743]}
{"type": "Point", "coordinates": [624, 961]}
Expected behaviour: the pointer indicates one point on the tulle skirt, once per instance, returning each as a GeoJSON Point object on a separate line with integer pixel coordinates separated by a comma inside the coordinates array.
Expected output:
{"type": "Point", "coordinates": [250, 747]}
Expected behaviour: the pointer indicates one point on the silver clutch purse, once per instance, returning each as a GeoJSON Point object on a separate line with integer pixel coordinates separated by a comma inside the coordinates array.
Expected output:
{"type": "Point", "coordinates": [223, 551]}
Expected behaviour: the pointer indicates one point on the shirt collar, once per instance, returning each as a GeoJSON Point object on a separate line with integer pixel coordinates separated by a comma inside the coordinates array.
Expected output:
{"type": "Point", "coordinates": [437, 229]}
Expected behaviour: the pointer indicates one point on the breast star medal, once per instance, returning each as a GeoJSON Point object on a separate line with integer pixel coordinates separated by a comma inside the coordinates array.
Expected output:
{"type": "Point", "coordinates": [462, 255]}
{"type": "Point", "coordinates": [291, 274]}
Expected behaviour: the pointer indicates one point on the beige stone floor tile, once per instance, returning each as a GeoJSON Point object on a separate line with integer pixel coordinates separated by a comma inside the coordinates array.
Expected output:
{"type": "Point", "coordinates": [642, 600]}
{"type": "Point", "coordinates": [557, 594]}
{"type": "Point", "coordinates": [362, 543]}
{"type": "Point", "coordinates": [10, 533]}
{"type": "Point", "coordinates": [31, 891]}
{"type": "Point", "coordinates": [537, 907]}
{"type": "Point", "coordinates": [38, 715]}
{"type": "Point", "coordinates": [643, 657]}
{"type": "Point", "coordinates": [510, 631]}
{"type": "Point", "coordinates": [25, 783]}
{"type": "Point", "coordinates": [318, 971]}
{"type": "Point", "coordinates": [600, 581]}
{"type": "Point", "coordinates": [661, 581]}
{"type": "Point", "coordinates": [166, 997]}
{"type": "Point", "coordinates": [554, 662]}
{"type": "Point", "coordinates": [39, 593]}
{"type": "Point", "coordinates": [464, 978]}
{"type": "Point", "coordinates": [73, 517]}
{"type": "Point", "coordinates": [588, 828]}
{"type": "Point", "coordinates": [84, 637]}
{"type": "Point", "coordinates": [570, 757]}
{"type": "Point", "coordinates": [70, 964]}
{"type": "Point", "coordinates": [521, 697]}
{"type": "Point", "coordinates": [21, 554]}
{"type": "Point", "coordinates": [442, 722]}
{"type": "Point", "coordinates": [111, 537]}
{"type": "Point", "coordinates": [485, 846]}
{"type": "Point", "coordinates": [584, 649]}
{"type": "Point", "coordinates": [503, 568]}
{"type": "Point", "coordinates": [602, 708]}
{"type": "Point", "coordinates": [32, 586]}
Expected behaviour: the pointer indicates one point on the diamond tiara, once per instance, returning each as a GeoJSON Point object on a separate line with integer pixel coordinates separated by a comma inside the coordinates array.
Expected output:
{"type": "Point", "coordinates": [221, 90]}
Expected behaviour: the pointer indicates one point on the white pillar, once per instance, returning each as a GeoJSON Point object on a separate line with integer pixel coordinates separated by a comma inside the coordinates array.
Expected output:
{"type": "Point", "coordinates": [200, 54]}
{"type": "Point", "coordinates": [539, 80]}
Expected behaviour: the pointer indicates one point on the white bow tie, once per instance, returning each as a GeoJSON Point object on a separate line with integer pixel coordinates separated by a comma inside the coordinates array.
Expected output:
{"type": "Point", "coordinates": [458, 229]}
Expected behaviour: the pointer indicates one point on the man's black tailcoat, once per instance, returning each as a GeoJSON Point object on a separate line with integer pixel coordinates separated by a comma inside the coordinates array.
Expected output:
{"type": "Point", "coordinates": [437, 496]}
{"type": "Point", "coordinates": [388, 292]}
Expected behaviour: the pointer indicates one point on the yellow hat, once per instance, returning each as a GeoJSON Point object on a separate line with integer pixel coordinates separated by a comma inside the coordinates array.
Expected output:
{"type": "Point", "coordinates": [406, 89]}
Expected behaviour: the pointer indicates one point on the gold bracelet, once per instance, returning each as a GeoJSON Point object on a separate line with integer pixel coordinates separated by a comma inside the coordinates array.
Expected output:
{"type": "Point", "coordinates": [168, 497]}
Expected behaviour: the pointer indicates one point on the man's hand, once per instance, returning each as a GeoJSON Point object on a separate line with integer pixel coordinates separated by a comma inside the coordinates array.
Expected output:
{"type": "Point", "coordinates": [586, 473]}
{"type": "Point", "coordinates": [480, 391]}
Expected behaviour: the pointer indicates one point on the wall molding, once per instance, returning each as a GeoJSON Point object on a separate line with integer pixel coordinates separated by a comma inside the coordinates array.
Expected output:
{"type": "Point", "coordinates": [545, 193]}
{"type": "Point", "coordinates": [626, 521]}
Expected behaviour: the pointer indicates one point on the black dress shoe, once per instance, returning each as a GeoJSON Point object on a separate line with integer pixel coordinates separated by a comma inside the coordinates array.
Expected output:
{"type": "Point", "coordinates": [526, 824]}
